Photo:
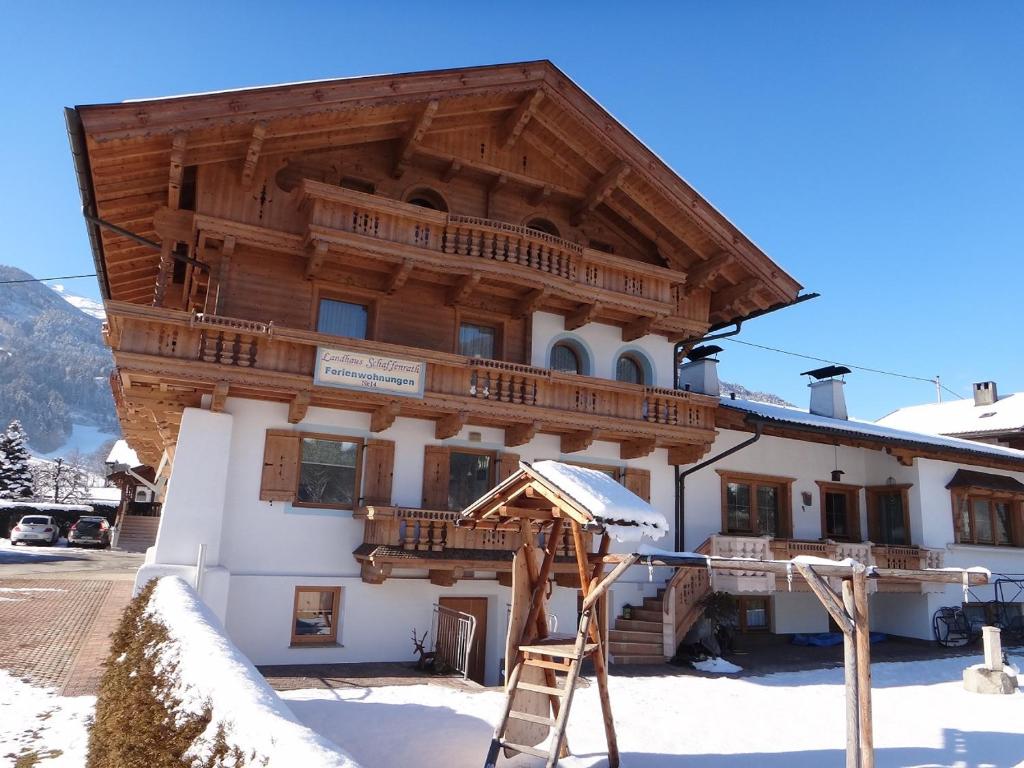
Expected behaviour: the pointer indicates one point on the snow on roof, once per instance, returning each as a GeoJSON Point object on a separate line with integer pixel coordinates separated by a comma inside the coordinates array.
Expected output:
{"type": "Point", "coordinates": [960, 417]}
{"type": "Point", "coordinates": [122, 454]}
{"type": "Point", "coordinates": [871, 429]}
{"type": "Point", "coordinates": [624, 515]}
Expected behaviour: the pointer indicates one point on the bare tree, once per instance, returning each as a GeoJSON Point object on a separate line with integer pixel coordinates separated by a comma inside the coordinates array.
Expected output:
{"type": "Point", "coordinates": [62, 481]}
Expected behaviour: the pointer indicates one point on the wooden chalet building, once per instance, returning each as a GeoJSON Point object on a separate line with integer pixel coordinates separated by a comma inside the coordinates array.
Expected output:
{"type": "Point", "coordinates": [342, 310]}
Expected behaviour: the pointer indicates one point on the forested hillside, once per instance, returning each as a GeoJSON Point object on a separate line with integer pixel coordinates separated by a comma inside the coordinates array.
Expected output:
{"type": "Point", "coordinates": [54, 367]}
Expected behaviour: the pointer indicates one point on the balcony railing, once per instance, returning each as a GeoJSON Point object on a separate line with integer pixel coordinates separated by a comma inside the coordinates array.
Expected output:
{"type": "Point", "coordinates": [380, 224]}
{"type": "Point", "coordinates": [453, 382]}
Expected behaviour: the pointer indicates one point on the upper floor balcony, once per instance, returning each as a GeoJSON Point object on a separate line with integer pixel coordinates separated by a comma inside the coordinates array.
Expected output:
{"type": "Point", "coordinates": [161, 351]}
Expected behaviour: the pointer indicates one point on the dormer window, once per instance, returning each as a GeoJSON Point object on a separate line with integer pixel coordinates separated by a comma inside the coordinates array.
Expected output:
{"type": "Point", "coordinates": [425, 197]}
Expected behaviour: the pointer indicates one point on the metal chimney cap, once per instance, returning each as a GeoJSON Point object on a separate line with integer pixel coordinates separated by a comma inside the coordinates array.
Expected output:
{"type": "Point", "coordinates": [699, 353]}
{"type": "Point", "coordinates": [827, 372]}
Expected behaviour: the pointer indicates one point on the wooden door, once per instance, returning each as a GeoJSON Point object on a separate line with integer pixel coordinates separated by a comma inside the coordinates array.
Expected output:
{"type": "Point", "coordinates": [476, 607]}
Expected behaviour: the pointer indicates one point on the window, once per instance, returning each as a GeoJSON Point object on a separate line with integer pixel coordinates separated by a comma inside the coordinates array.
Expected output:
{"type": "Point", "coordinates": [753, 614]}
{"type": "Point", "coordinates": [477, 340]}
{"type": "Point", "coordinates": [328, 472]}
{"type": "Point", "coordinates": [315, 615]}
{"type": "Point", "coordinates": [470, 476]}
{"type": "Point", "coordinates": [565, 359]}
{"type": "Point", "coordinates": [888, 515]}
{"type": "Point", "coordinates": [629, 369]}
{"type": "Point", "coordinates": [840, 512]}
{"type": "Point", "coordinates": [984, 519]}
{"type": "Point", "coordinates": [425, 197]}
{"type": "Point", "coordinates": [756, 505]}
{"type": "Point", "coordinates": [545, 226]}
{"type": "Point", "coordinates": [342, 318]}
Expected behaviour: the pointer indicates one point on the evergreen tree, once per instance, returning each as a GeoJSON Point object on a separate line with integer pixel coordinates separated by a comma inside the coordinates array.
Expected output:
{"type": "Point", "coordinates": [15, 473]}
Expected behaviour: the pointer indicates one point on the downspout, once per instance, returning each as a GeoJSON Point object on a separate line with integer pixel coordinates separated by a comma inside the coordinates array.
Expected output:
{"type": "Point", "coordinates": [681, 476]}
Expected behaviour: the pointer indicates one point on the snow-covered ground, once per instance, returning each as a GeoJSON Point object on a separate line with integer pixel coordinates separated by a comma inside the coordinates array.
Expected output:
{"type": "Point", "coordinates": [84, 438]}
{"type": "Point", "coordinates": [923, 717]}
{"type": "Point", "coordinates": [36, 721]}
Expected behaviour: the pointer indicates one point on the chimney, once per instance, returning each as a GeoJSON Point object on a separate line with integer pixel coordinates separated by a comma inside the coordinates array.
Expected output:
{"type": "Point", "coordinates": [985, 393]}
{"type": "Point", "coordinates": [827, 396]}
{"type": "Point", "coordinates": [700, 373]}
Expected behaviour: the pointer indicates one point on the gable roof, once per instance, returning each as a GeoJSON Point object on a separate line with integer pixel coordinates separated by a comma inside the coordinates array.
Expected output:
{"type": "Point", "coordinates": [123, 152]}
{"type": "Point", "coordinates": [961, 417]}
{"type": "Point", "coordinates": [796, 420]}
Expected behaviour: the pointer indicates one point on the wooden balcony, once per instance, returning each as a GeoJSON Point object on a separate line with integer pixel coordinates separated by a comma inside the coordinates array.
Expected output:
{"type": "Point", "coordinates": [767, 548]}
{"type": "Point", "coordinates": [346, 229]}
{"type": "Point", "coordinates": [424, 539]}
{"type": "Point", "coordinates": [161, 351]}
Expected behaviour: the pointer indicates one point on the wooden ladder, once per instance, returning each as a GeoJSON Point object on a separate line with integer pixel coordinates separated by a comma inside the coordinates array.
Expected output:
{"type": "Point", "coordinates": [556, 655]}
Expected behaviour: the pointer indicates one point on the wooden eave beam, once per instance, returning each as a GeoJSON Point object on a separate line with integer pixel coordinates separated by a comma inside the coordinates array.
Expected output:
{"type": "Point", "coordinates": [220, 396]}
{"type": "Point", "coordinates": [412, 139]}
{"type": "Point", "coordinates": [317, 253]}
{"type": "Point", "coordinates": [640, 327]}
{"type": "Point", "coordinates": [450, 425]}
{"type": "Point", "coordinates": [532, 301]}
{"type": "Point", "coordinates": [453, 170]}
{"type": "Point", "coordinates": [687, 454]}
{"type": "Point", "coordinates": [462, 289]}
{"type": "Point", "coordinates": [601, 189]}
{"type": "Point", "coordinates": [636, 449]}
{"type": "Point", "coordinates": [583, 314]}
{"type": "Point", "coordinates": [252, 153]}
{"type": "Point", "coordinates": [540, 195]}
{"type": "Point", "coordinates": [517, 121]}
{"type": "Point", "coordinates": [298, 407]}
{"type": "Point", "coordinates": [520, 434]}
{"type": "Point", "coordinates": [726, 297]}
{"type": "Point", "coordinates": [577, 441]}
{"type": "Point", "coordinates": [384, 416]}
{"type": "Point", "coordinates": [398, 277]}
{"type": "Point", "coordinates": [177, 170]}
{"type": "Point", "coordinates": [699, 275]}
{"type": "Point", "coordinates": [495, 186]}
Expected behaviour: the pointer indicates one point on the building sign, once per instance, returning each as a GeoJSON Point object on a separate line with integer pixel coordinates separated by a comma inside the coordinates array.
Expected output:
{"type": "Point", "coordinates": [369, 373]}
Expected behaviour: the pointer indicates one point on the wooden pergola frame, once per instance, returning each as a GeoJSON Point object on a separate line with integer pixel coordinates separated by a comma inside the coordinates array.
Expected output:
{"type": "Point", "coordinates": [541, 507]}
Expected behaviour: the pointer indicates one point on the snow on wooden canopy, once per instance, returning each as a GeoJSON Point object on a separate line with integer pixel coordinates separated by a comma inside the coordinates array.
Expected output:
{"type": "Point", "coordinates": [589, 496]}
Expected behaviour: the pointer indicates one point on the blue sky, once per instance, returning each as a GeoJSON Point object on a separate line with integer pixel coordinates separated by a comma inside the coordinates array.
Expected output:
{"type": "Point", "coordinates": [874, 150]}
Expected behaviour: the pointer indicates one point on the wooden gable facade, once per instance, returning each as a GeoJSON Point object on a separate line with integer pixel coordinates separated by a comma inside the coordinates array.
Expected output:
{"type": "Point", "coordinates": [220, 222]}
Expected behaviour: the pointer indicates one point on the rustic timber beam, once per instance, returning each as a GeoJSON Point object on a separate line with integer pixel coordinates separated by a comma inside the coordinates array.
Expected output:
{"type": "Point", "coordinates": [701, 274]}
{"type": "Point", "coordinates": [445, 577]}
{"type": "Point", "coordinates": [599, 191]}
{"type": "Point", "coordinates": [517, 121]}
{"type": "Point", "coordinates": [904, 457]}
{"type": "Point", "coordinates": [687, 454]}
{"type": "Point", "coordinates": [384, 416]}
{"type": "Point", "coordinates": [725, 297]}
{"type": "Point", "coordinates": [532, 301]}
{"type": "Point", "coordinates": [832, 602]}
{"type": "Point", "coordinates": [177, 170]}
{"type": "Point", "coordinates": [453, 170]}
{"type": "Point", "coordinates": [499, 181]}
{"type": "Point", "coordinates": [298, 407]}
{"type": "Point", "coordinates": [639, 327]}
{"type": "Point", "coordinates": [520, 434]}
{"type": "Point", "coordinates": [412, 139]}
{"type": "Point", "coordinates": [583, 314]}
{"type": "Point", "coordinates": [398, 277]}
{"type": "Point", "coordinates": [577, 441]}
{"type": "Point", "coordinates": [462, 289]}
{"type": "Point", "coordinates": [540, 195]}
{"type": "Point", "coordinates": [450, 425]}
{"type": "Point", "coordinates": [316, 258]}
{"type": "Point", "coordinates": [374, 573]}
{"type": "Point", "coordinates": [636, 449]}
{"type": "Point", "coordinates": [220, 396]}
{"type": "Point", "coordinates": [252, 153]}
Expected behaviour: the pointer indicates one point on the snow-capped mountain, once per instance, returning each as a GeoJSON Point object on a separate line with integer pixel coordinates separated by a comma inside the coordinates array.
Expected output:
{"type": "Point", "coordinates": [91, 307]}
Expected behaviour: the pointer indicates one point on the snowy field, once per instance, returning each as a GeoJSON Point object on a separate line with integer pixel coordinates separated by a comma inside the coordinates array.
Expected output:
{"type": "Point", "coordinates": [923, 717]}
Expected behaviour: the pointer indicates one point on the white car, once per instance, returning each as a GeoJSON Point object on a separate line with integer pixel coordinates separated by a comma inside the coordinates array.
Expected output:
{"type": "Point", "coordinates": [38, 529]}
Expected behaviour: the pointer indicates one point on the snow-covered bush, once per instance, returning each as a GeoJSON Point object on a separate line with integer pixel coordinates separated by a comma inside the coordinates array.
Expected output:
{"type": "Point", "coordinates": [15, 474]}
{"type": "Point", "coordinates": [177, 692]}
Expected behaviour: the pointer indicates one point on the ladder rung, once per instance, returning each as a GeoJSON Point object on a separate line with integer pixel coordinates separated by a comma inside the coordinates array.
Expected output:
{"type": "Point", "coordinates": [544, 664]}
{"type": "Point", "coordinates": [538, 719]}
{"type": "Point", "coordinates": [524, 749]}
{"type": "Point", "coordinates": [541, 689]}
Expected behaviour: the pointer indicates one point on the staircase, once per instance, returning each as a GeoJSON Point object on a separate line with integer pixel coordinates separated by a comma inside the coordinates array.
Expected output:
{"type": "Point", "coordinates": [655, 629]}
{"type": "Point", "coordinates": [137, 533]}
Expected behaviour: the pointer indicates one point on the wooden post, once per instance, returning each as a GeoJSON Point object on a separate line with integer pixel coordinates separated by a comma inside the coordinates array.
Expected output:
{"type": "Point", "coordinates": [863, 634]}
{"type": "Point", "coordinates": [850, 670]}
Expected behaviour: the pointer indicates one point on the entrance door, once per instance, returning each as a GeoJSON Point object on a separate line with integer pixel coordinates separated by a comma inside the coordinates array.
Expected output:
{"type": "Point", "coordinates": [476, 607]}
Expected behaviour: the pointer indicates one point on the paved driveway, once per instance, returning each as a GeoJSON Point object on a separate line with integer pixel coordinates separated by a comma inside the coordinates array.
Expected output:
{"type": "Point", "coordinates": [58, 607]}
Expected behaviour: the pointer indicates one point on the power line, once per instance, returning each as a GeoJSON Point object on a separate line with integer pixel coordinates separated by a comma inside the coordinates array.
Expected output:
{"type": "Point", "coordinates": [848, 365]}
{"type": "Point", "coordinates": [45, 279]}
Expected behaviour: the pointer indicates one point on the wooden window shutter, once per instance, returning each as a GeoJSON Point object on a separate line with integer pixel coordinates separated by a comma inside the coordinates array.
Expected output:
{"type": "Point", "coordinates": [508, 463]}
{"type": "Point", "coordinates": [379, 472]}
{"type": "Point", "coordinates": [435, 477]}
{"type": "Point", "coordinates": [280, 466]}
{"type": "Point", "coordinates": [639, 482]}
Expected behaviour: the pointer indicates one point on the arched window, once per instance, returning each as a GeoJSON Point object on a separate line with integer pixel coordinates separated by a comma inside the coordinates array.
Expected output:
{"type": "Point", "coordinates": [543, 225]}
{"type": "Point", "coordinates": [565, 358]}
{"type": "Point", "coordinates": [425, 197]}
{"type": "Point", "coordinates": [629, 369]}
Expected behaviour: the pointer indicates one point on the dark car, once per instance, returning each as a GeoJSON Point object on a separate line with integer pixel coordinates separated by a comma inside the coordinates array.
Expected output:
{"type": "Point", "coordinates": [91, 530]}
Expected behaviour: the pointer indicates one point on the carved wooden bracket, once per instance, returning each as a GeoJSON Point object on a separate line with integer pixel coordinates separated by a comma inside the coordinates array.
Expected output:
{"type": "Point", "coordinates": [577, 441]}
{"type": "Point", "coordinates": [450, 425]}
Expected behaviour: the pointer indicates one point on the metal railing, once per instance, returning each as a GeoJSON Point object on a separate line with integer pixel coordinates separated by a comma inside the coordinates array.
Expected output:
{"type": "Point", "coordinates": [453, 633]}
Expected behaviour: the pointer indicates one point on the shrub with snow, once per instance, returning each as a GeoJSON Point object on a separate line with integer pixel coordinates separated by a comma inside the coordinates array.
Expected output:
{"type": "Point", "coordinates": [15, 474]}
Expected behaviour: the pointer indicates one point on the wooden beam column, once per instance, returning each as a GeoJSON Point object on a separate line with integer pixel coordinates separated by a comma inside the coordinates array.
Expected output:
{"type": "Point", "coordinates": [412, 139]}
